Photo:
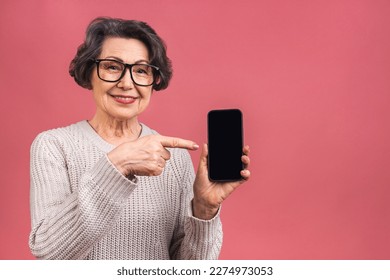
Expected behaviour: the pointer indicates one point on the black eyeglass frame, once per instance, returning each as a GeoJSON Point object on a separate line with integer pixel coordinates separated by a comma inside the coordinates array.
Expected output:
{"type": "Point", "coordinates": [155, 69]}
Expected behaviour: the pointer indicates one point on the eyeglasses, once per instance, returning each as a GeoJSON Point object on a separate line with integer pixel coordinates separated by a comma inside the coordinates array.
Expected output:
{"type": "Point", "coordinates": [111, 70]}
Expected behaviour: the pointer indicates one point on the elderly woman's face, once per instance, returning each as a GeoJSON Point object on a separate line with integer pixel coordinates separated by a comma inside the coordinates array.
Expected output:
{"type": "Point", "coordinates": [121, 100]}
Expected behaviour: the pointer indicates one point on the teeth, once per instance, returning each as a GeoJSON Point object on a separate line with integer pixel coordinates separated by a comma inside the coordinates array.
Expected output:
{"type": "Point", "coordinates": [124, 98]}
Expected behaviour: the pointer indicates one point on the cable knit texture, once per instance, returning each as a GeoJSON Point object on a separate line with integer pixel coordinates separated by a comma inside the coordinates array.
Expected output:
{"type": "Point", "coordinates": [82, 207]}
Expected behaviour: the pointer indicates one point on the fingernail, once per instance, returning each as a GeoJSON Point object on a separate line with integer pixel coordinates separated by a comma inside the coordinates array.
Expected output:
{"type": "Point", "coordinates": [195, 146]}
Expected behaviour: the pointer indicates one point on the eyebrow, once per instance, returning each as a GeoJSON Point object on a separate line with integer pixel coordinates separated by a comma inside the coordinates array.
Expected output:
{"type": "Point", "coordinates": [121, 60]}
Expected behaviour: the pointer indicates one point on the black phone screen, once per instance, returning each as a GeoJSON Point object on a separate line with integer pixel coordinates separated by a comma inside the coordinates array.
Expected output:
{"type": "Point", "coordinates": [225, 143]}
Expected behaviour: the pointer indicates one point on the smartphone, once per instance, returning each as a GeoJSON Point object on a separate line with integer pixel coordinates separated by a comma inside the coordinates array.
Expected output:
{"type": "Point", "coordinates": [225, 143]}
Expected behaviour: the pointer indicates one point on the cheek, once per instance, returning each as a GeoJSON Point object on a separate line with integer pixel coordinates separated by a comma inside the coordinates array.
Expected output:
{"type": "Point", "coordinates": [144, 102]}
{"type": "Point", "coordinates": [99, 92]}
{"type": "Point", "coordinates": [94, 79]}
{"type": "Point", "coordinates": [146, 95]}
{"type": "Point", "coordinates": [99, 87]}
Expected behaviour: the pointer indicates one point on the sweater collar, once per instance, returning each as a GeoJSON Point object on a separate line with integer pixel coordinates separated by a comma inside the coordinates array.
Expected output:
{"type": "Point", "coordinates": [100, 142]}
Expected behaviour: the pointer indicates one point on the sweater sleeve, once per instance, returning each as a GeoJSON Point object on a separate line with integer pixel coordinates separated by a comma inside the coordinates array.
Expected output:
{"type": "Point", "coordinates": [194, 239]}
{"type": "Point", "coordinates": [68, 220]}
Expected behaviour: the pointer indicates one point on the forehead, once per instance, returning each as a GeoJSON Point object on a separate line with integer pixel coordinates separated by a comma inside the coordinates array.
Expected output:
{"type": "Point", "coordinates": [128, 50]}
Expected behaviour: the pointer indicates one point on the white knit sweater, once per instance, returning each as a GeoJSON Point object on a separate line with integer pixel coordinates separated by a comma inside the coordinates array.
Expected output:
{"type": "Point", "coordinates": [82, 207]}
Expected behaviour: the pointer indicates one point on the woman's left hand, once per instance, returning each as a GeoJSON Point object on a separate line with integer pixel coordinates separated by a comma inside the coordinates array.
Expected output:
{"type": "Point", "coordinates": [209, 195]}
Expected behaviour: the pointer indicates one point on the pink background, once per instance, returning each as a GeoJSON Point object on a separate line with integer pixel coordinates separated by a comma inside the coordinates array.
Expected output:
{"type": "Point", "coordinates": [311, 77]}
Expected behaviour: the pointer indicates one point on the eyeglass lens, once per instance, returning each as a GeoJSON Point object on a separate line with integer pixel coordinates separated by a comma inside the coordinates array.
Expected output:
{"type": "Point", "coordinates": [113, 71]}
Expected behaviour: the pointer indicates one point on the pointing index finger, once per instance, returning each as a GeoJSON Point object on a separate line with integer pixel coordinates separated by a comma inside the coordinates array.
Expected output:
{"type": "Point", "coordinates": [174, 142]}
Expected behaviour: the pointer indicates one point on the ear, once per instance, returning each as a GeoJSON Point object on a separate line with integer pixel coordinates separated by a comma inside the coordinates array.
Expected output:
{"type": "Point", "coordinates": [158, 80]}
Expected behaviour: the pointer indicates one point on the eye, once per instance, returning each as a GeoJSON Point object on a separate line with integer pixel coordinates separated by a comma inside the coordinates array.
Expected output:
{"type": "Point", "coordinates": [143, 70]}
{"type": "Point", "coordinates": [111, 66]}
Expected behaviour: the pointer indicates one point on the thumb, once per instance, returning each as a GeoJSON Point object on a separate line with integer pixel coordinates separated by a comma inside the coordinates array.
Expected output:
{"type": "Point", "coordinates": [203, 158]}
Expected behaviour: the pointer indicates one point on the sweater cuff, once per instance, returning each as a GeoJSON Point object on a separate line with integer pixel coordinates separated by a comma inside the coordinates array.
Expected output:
{"type": "Point", "coordinates": [206, 229]}
{"type": "Point", "coordinates": [111, 181]}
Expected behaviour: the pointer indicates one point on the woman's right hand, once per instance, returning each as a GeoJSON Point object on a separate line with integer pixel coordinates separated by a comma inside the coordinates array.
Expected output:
{"type": "Point", "coordinates": [147, 155]}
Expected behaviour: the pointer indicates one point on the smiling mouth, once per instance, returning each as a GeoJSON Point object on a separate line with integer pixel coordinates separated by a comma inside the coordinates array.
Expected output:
{"type": "Point", "coordinates": [124, 99]}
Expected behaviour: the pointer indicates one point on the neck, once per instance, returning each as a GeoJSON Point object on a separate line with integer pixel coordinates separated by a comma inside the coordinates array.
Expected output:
{"type": "Point", "coordinates": [116, 131]}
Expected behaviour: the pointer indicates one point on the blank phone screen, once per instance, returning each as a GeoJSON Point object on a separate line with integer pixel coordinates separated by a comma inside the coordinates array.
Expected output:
{"type": "Point", "coordinates": [225, 141]}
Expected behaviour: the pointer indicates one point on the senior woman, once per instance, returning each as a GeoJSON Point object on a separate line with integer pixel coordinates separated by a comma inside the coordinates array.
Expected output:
{"type": "Point", "coordinates": [111, 187]}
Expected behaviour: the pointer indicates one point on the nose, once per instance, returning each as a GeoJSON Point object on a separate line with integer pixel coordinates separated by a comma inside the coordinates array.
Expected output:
{"type": "Point", "coordinates": [126, 82]}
